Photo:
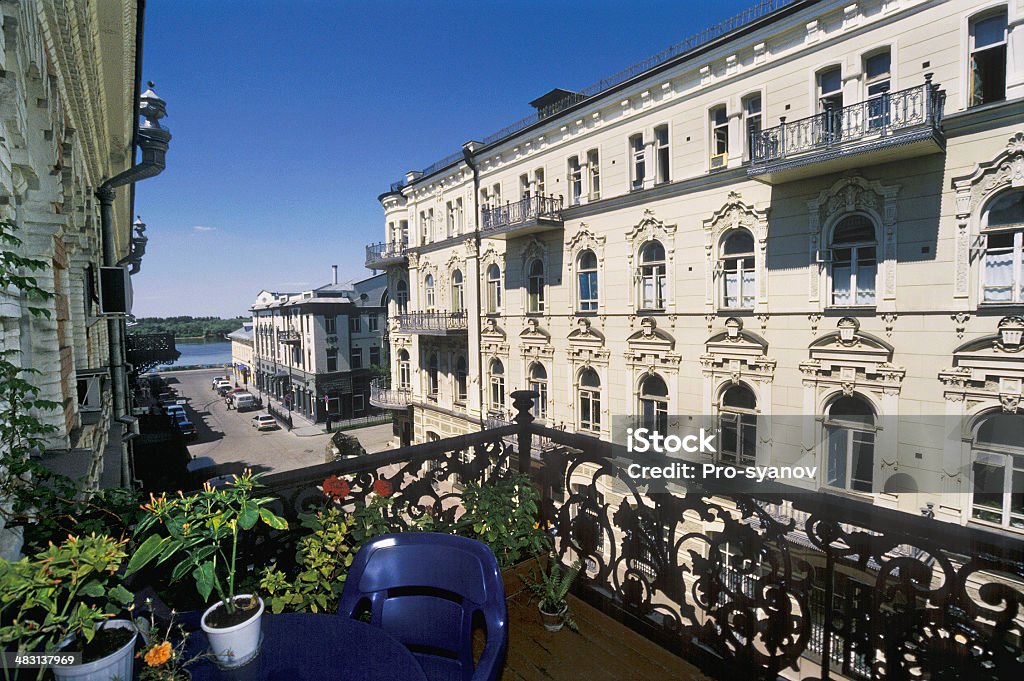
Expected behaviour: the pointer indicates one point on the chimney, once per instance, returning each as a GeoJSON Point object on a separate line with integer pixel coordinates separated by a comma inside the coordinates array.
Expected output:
{"type": "Point", "coordinates": [334, 274]}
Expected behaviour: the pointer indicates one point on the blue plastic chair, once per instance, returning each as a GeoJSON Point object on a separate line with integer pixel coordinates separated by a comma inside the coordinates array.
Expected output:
{"type": "Point", "coordinates": [425, 589]}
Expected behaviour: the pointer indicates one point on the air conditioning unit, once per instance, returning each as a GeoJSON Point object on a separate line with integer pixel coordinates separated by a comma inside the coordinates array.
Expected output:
{"type": "Point", "coordinates": [719, 161]}
{"type": "Point", "coordinates": [115, 291]}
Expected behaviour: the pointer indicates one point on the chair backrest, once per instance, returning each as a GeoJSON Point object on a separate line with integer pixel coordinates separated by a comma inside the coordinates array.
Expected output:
{"type": "Point", "coordinates": [425, 589]}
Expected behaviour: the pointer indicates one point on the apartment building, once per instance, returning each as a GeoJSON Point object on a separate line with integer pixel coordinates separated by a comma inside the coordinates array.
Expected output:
{"type": "Point", "coordinates": [315, 352]}
{"type": "Point", "coordinates": [816, 215]}
{"type": "Point", "coordinates": [241, 353]}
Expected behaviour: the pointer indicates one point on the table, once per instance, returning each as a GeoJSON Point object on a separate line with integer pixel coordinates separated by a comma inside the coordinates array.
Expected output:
{"type": "Point", "coordinates": [307, 647]}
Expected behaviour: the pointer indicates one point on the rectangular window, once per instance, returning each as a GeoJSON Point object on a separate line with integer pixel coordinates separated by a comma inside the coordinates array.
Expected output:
{"type": "Point", "coordinates": [330, 325]}
{"type": "Point", "coordinates": [637, 170]}
{"type": "Point", "coordinates": [524, 186]}
{"type": "Point", "coordinates": [372, 322]}
{"type": "Point", "coordinates": [830, 104]}
{"type": "Point", "coordinates": [575, 180]}
{"type": "Point", "coordinates": [878, 79]}
{"type": "Point", "coordinates": [661, 154]}
{"type": "Point", "coordinates": [355, 324]}
{"type": "Point", "coordinates": [538, 179]}
{"type": "Point", "coordinates": [375, 356]}
{"type": "Point", "coordinates": [988, 59]}
{"type": "Point", "coordinates": [752, 121]}
{"type": "Point", "coordinates": [458, 217]}
{"type": "Point", "coordinates": [719, 138]}
{"type": "Point", "coordinates": [594, 174]}
{"type": "Point", "coordinates": [1003, 276]}
{"type": "Point", "coordinates": [358, 403]}
{"type": "Point", "coordinates": [356, 358]}
{"type": "Point", "coordinates": [332, 359]}
{"type": "Point", "coordinates": [449, 219]}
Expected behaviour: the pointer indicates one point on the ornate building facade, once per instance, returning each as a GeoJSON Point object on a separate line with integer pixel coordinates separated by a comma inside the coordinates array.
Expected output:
{"type": "Point", "coordinates": [808, 228]}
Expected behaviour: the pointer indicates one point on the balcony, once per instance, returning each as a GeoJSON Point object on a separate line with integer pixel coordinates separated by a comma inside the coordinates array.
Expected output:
{"type": "Point", "coordinates": [290, 336]}
{"type": "Point", "coordinates": [526, 216]}
{"type": "Point", "coordinates": [752, 585]}
{"type": "Point", "coordinates": [433, 323]}
{"type": "Point", "coordinates": [891, 127]}
{"type": "Point", "coordinates": [385, 397]}
{"type": "Point", "coordinates": [379, 256]}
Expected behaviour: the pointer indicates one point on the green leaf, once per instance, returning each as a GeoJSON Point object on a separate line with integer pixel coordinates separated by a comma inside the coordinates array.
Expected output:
{"type": "Point", "coordinates": [204, 576]}
{"type": "Point", "coordinates": [146, 552]}
{"type": "Point", "coordinates": [274, 521]}
{"type": "Point", "coordinates": [248, 515]}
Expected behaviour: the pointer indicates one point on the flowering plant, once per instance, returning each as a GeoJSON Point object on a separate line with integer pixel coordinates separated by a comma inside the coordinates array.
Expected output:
{"type": "Point", "coordinates": [165, 660]}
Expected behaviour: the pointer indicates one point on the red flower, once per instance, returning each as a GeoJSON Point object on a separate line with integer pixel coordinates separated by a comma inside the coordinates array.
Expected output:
{"type": "Point", "coordinates": [336, 487]}
{"type": "Point", "coordinates": [382, 488]}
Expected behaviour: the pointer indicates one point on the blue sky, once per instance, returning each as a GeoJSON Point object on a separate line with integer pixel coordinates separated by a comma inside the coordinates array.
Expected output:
{"type": "Point", "coordinates": [290, 118]}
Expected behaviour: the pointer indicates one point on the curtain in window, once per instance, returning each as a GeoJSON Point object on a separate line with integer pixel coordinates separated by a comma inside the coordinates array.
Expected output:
{"type": "Point", "coordinates": [836, 456]}
{"type": "Point", "coordinates": [998, 275]}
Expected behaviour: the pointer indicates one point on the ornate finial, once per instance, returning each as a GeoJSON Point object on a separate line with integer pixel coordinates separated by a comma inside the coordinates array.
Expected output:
{"type": "Point", "coordinates": [150, 84]}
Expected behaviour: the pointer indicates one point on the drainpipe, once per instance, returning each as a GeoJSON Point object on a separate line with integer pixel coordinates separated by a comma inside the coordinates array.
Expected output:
{"type": "Point", "coordinates": [152, 140]}
{"type": "Point", "coordinates": [467, 154]}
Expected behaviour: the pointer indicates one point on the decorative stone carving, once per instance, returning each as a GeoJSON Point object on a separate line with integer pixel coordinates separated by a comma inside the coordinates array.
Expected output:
{"type": "Point", "coordinates": [960, 319]}
{"type": "Point", "coordinates": [735, 214]}
{"type": "Point", "coordinates": [889, 319]}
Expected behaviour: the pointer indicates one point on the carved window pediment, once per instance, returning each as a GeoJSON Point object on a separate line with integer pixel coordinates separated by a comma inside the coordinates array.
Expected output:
{"type": "Point", "coordinates": [736, 353]}
{"type": "Point", "coordinates": [534, 333]}
{"type": "Point", "coordinates": [990, 368]}
{"type": "Point", "coordinates": [491, 330]}
{"type": "Point", "coordinates": [585, 334]}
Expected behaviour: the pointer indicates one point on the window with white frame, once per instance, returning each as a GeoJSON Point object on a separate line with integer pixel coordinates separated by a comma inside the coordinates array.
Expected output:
{"type": "Point", "coordinates": [987, 63]}
{"type": "Point", "coordinates": [459, 217]}
{"type": "Point", "coordinates": [372, 323]}
{"type": "Point", "coordinates": [850, 427]}
{"type": "Point", "coordinates": [586, 277]}
{"type": "Point", "coordinates": [535, 287]}
{"type": "Point", "coordinates": [854, 262]}
{"type": "Point", "coordinates": [739, 277]}
{"type": "Point", "coordinates": [661, 155]}
{"type": "Point", "coordinates": [651, 276]}
{"type": "Point", "coordinates": [358, 403]}
{"type": "Point", "coordinates": [449, 219]}
{"type": "Point", "coordinates": [330, 325]}
{"type": "Point", "coordinates": [719, 143]}
{"type": "Point", "coordinates": [737, 423]}
{"type": "Point", "coordinates": [426, 227]}
{"type": "Point", "coordinates": [998, 470]}
{"type": "Point", "coordinates": [653, 404]}
{"type": "Point", "coordinates": [461, 379]}
{"type": "Point", "coordinates": [493, 289]}
{"type": "Point", "coordinates": [539, 384]}
{"type": "Point", "coordinates": [524, 186]}
{"type": "Point", "coordinates": [332, 359]}
{"type": "Point", "coordinates": [402, 296]}
{"type": "Point", "coordinates": [637, 170]}
{"type": "Point", "coordinates": [877, 82]}
{"type": "Point", "coordinates": [356, 358]}
{"type": "Point", "coordinates": [1002, 225]}
{"type": "Point", "coordinates": [589, 391]}
{"type": "Point", "coordinates": [374, 356]}
{"type": "Point", "coordinates": [594, 174]}
{"type": "Point", "coordinates": [830, 102]}
{"type": "Point", "coordinates": [458, 292]}
{"type": "Point", "coordinates": [403, 236]}
{"type": "Point", "coordinates": [752, 121]}
{"type": "Point", "coordinates": [404, 370]}
{"type": "Point", "coordinates": [433, 375]}
{"type": "Point", "coordinates": [428, 290]}
{"type": "Point", "coordinates": [538, 180]}
{"type": "Point", "coordinates": [574, 178]}
{"type": "Point", "coordinates": [497, 374]}
{"type": "Point", "coordinates": [355, 324]}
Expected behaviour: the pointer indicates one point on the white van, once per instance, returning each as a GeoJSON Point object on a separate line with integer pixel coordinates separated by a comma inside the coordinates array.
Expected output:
{"type": "Point", "coordinates": [244, 401]}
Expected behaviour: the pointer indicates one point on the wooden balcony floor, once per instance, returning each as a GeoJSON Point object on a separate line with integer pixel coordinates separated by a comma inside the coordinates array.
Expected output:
{"type": "Point", "coordinates": [603, 649]}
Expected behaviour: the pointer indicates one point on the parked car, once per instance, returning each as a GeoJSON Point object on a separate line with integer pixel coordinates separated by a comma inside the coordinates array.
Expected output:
{"type": "Point", "coordinates": [217, 380]}
{"type": "Point", "coordinates": [244, 401]}
{"type": "Point", "coordinates": [264, 422]}
{"type": "Point", "coordinates": [188, 429]}
{"type": "Point", "coordinates": [225, 390]}
{"type": "Point", "coordinates": [179, 418]}
{"type": "Point", "coordinates": [174, 409]}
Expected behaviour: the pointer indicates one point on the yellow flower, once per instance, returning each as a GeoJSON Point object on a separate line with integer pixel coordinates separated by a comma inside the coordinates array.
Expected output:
{"type": "Point", "coordinates": [159, 654]}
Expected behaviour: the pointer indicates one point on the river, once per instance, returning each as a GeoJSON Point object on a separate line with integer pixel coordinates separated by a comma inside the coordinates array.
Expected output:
{"type": "Point", "coordinates": [202, 354]}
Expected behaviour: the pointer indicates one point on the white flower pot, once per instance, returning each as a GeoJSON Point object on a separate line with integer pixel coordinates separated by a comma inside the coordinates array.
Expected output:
{"type": "Point", "coordinates": [236, 645]}
{"type": "Point", "coordinates": [553, 621]}
{"type": "Point", "coordinates": [118, 665]}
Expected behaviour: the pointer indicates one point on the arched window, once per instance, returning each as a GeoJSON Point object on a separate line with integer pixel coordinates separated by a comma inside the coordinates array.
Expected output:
{"type": "Point", "coordinates": [539, 385]}
{"type": "Point", "coordinates": [590, 401]}
{"type": "Point", "coordinates": [850, 443]}
{"type": "Point", "coordinates": [497, 385]}
{"type": "Point", "coordinates": [402, 296]}
{"type": "Point", "coordinates": [854, 262]}
{"type": "Point", "coordinates": [739, 279]}
{"type": "Point", "coordinates": [652, 276]}
{"type": "Point", "coordinates": [535, 287]}
{"type": "Point", "coordinates": [428, 288]}
{"type": "Point", "coordinates": [461, 374]}
{"type": "Point", "coordinates": [404, 370]}
{"type": "Point", "coordinates": [1002, 224]}
{"type": "Point", "coordinates": [433, 375]}
{"type": "Point", "coordinates": [653, 397]}
{"type": "Point", "coordinates": [587, 280]}
{"type": "Point", "coordinates": [458, 292]}
{"type": "Point", "coordinates": [737, 423]}
{"type": "Point", "coordinates": [493, 289]}
{"type": "Point", "coordinates": [998, 456]}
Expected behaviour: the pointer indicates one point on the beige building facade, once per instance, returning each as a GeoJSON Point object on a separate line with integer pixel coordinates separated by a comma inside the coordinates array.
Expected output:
{"type": "Point", "coordinates": [808, 229]}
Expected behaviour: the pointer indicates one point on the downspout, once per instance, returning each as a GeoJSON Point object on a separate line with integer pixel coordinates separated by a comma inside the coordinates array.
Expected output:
{"type": "Point", "coordinates": [467, 155]}
{"type": "Point", "coordinates": [153, 141]}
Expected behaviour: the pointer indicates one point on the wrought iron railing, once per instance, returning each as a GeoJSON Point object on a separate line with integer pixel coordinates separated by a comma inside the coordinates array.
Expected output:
{"type": "Point", "coordinates": [385, 251]}
{"type": "Point", "coordinates": [524, 210]}
{"type": "Point", "coordinates": [383, 395]}
{"type": "Point", "coordinates": [888, 116]}
{"type": "Point", "coordinates": [722, 577]}
{"type": "Point", "coordinates": [439, 322]}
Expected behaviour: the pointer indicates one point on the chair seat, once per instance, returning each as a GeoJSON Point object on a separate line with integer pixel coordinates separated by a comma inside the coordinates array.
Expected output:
{"type": "Point", "coordinates": [440, 668]}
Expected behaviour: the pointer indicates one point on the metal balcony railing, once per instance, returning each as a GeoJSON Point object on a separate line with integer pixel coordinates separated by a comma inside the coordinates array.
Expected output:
{"type": "Point", "coordinates": [385, 253]}
{"type": "Point", "coordinates": [386, 397]}
{"type": "Point", "coordinates": [439, 323]}
{"type": "Point", "coordinates": [888, 119]}
{"type": "Point", "coordinates": [526, 210]}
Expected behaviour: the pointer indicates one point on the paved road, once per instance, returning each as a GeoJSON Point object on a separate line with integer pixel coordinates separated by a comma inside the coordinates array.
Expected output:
{"type": "Point", "coordinates": [227, 438]}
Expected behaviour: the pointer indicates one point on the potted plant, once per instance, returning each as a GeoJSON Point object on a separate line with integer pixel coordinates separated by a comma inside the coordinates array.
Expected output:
{"type": "Point", "coordinates": [502, 514]}
{"type": "Point", "coordinates": [550, 586]}
{"type": "Point", "coordinates": [64, 597]}
{"type": "Point", "coordinates": [163, 652]}
{"type": "Point", "coordinates": [204, 529]}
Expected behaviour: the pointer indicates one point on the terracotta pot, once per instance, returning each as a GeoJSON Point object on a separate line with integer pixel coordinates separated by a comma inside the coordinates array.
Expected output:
{"type": "Point", "coordinates": [553, 621]}
{"type": "Point", "coordinates": [235, 645]}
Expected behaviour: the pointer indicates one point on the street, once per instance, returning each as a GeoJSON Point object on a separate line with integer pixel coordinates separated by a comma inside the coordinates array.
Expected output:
{"type": "Point", "coordinates": [228, 441]}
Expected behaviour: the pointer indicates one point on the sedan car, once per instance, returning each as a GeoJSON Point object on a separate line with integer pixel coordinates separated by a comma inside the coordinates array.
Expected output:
{"type": "Point", "coordinates": [188, 429]}
{"type": "Point", "coordinates": [264, 422]}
